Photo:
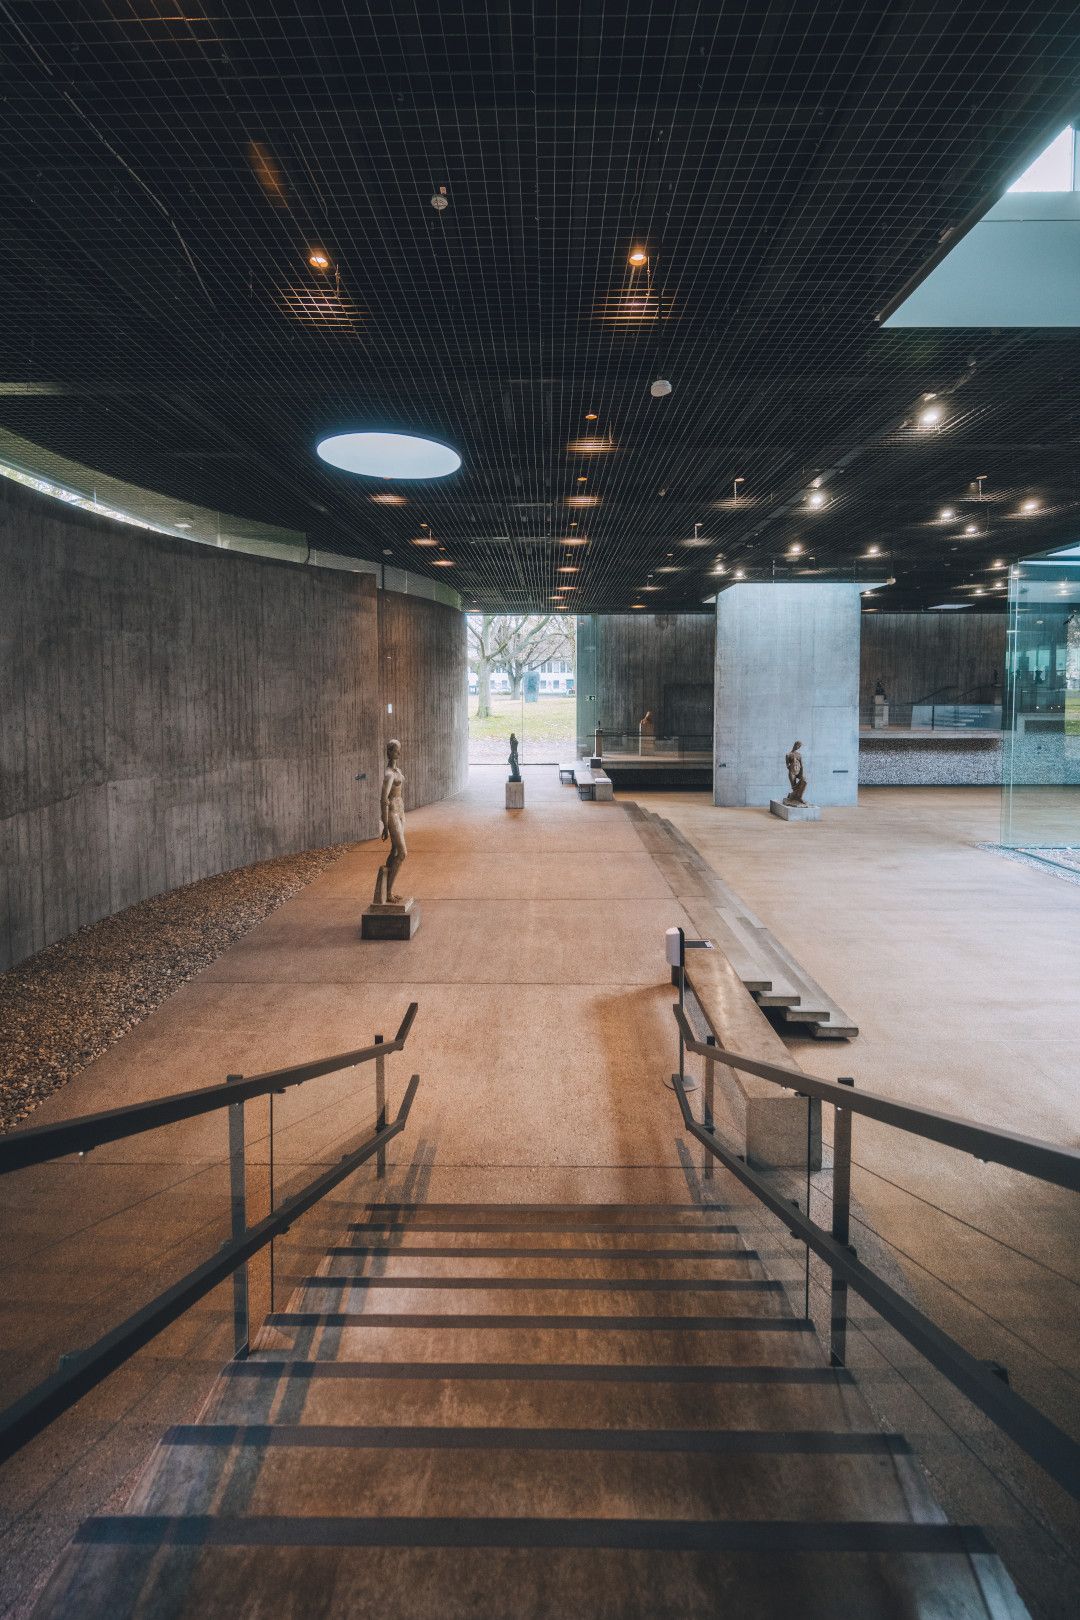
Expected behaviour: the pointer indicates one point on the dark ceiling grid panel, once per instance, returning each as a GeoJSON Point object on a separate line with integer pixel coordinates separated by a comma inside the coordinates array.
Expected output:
{"type": "Point", "coordinates": [785, 166]}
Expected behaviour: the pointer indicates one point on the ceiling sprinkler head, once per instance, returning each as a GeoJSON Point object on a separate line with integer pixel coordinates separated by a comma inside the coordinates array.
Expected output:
{"type": "Point", "coordinates": [440, 200]}
{"type": "Point", "coordinates": [660, 388]}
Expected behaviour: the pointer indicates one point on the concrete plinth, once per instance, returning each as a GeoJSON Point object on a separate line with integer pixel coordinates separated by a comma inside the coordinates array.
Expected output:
{"type": "Point", "coordinates": [795, 812]}
{"type": "Point", "coordinates": [515, 794]}
{"type": "Point", "coordinates": [390, 922]}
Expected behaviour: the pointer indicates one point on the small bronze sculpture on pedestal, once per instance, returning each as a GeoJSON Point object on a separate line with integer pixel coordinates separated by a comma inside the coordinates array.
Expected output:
{"type": "Point", "coordinates": [512, 761]}
{"type": "Point", "coordinates": [389, 916]}
{"type": "Point", "coordinates": [796, 775]}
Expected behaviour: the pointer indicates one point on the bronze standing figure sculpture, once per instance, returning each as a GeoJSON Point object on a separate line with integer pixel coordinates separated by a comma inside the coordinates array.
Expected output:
{"type": "Point", "coordinates": [796, 774]}
{"type": "Point", "coordinates": [392, 820]}
{"type": "Point", "coordinates": [512, 760]}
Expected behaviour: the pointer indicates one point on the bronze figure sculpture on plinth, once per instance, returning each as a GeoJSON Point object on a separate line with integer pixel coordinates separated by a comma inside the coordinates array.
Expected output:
{"type": "Point", "coordinates": [389, 916]}
{"type": "Point", "coordinates": [796, 775]}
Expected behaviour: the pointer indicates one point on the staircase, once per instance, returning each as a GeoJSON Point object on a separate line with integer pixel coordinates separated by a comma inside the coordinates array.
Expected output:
{"type": "Point", "coordinates": [493, 1410]}
{"type": "Point", "coordinates": [769, 972]}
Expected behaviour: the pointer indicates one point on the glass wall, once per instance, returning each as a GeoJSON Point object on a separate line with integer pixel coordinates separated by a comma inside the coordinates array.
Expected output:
{"type": "Point", "coordinates": [1040, 808]}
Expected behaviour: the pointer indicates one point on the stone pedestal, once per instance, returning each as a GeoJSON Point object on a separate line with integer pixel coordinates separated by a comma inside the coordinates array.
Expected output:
{"type": "Point", "coordinates": [881, 714]}
{"type": "Point", "coordinates": [515, 795]}
{"type": "Point", "coordinates": [390, 921]}
{"type": "Point", "coordinates": [795, 812]}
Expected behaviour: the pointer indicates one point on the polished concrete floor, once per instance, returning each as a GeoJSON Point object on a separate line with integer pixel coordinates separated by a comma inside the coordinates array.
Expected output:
{"type": "Point", "coordinates": [544, 1032]}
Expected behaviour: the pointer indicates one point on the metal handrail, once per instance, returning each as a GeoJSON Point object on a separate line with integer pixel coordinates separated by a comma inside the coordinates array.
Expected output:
{"type": "Point", "coordinates": [1057, 1452]}
{"type": "Point", "coordinates": [27, 1417]}
{"type": "Point", "coordinates": [1058, 1165]}
{"type": "Point", "coordinates": [21, 1149]}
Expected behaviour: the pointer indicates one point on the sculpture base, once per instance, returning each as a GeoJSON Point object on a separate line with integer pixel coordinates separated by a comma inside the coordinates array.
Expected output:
{"type": "Point", "coordinates": [596, 762]}
{"type": "Point", "coordinates": [515, 794]}
{"type": "Point", "coordinates": [795, 812]}
{"type": "Point", "coordinates": [398, 920]}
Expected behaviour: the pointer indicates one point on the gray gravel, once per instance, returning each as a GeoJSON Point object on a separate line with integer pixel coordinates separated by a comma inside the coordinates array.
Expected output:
{"type": "Point", "coordinates": [65, 1006]}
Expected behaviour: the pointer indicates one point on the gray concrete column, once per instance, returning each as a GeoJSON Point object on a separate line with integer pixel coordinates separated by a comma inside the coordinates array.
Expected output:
{"type": "Point", "coordinates": [787, 668]}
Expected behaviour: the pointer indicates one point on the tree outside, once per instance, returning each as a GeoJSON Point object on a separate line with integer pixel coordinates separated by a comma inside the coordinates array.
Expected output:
{"type": "Point", "coordinates": [503, 650]}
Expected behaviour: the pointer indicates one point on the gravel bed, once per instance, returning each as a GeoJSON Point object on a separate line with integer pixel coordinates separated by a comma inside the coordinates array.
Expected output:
{"type": "Point", "coordinates": [65, 1006]}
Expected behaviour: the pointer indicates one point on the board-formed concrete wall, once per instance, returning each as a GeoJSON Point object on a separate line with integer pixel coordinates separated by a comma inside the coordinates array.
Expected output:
{"type": "Point", "coordinates": [955, 655]}
{"type": "Point", "coordinates": [425, 674]}
{"type": "Point", "coordinates": [639, 661]}
{"type": "Point", "coordinates": [787, 669]}
{"type": "Point", "coordinates": [170, 711]}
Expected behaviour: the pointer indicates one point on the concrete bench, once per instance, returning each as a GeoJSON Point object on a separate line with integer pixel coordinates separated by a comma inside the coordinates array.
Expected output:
{"type": "Point", "coordinates": [566, 771]}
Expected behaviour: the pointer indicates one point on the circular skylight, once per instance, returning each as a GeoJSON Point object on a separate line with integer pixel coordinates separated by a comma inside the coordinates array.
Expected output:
{"type": "Point", "coordinates": [389, 455]}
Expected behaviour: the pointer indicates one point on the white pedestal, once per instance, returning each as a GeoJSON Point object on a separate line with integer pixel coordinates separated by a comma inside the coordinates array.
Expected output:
{"type": "Point", "coordinates": [881, 714]}
{"type": "Point", "coordinates": [795, 812]}
{"type": "Point", "coordinates": [515, 795]}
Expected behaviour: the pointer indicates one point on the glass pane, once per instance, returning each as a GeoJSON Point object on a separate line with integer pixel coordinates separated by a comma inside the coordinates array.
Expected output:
{"type": "Point", "coordinates": [1040, 815]}
{"type": "Point", "coordinates": [92, 1240]}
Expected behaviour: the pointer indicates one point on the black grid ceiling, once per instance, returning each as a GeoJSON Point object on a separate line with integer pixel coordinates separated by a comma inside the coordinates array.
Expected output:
{"type": "Point", "coordinates": [165, 167]}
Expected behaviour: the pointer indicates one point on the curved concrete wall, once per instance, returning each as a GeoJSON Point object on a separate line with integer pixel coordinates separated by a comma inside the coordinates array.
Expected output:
{"type": "Point", "coordinates": [170, 711]}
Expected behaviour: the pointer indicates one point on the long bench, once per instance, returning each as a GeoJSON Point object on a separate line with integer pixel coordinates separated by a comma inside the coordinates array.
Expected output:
{"type": "Point", "coordinates": [591, 781]}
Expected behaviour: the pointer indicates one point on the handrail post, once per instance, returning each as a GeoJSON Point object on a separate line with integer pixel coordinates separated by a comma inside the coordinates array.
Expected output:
{"type": "Point", "coordinates": [238, 1206]}
{"type": "Point", "coordinates": [707, 1106]}
{"type": "Point", "coordinates": [380, 1108]}
{"type": "Point", "coordinates": [841, 1224]}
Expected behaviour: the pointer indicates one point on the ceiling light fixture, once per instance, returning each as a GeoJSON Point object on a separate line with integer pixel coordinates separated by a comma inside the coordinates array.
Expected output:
{"type": "Point", "coordinates": [318, 260]}
{"type": "Point", "coordinates": [816, 499]}
{"type": "Point", "coordinates": [971, 528]}
{"type": "Point", "coordinates": [440, 200]}
{"type": "Point", "coordinates": [388, 455]}
{"type": "Point", "coordinates": [660, 388]}
{"type": "Point", "coordinates": [947, 514]}
{"type": "Point", "coordinates": [873, 551]}
{"type": "Point", "coordinates": [1030, 505]}
{"type": "Point", "coordinates": [424, 540]}
{"type": "Point", "coordinates": [386, 499]}
{"type": "Point", "coordinates": [740, 573]}
{"type": "Point", "coordinates": [637, 257]}
{"type": "Point", "coordinates": [931, 416]}
{"type": "Point", "coordinates": [590, 416]}
{"type": "Point", "coordinates": [794, 550]}
{"type": "Point", "coordinates": [443, 562]}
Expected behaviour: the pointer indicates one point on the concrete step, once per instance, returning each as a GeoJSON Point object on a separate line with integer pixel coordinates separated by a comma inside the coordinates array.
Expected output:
{"type": "Point", "coordinates": [533, 1265]}
{"type": "Point", "coordinates": [476, 1569]}
{"type": "Point", "coordinates": [607, 1395]}
{"type": "Point", "coordinates": [627, 1298]}
{"type": "Point", "coordinates": [302, 1470]}
{"type": "Point", "coordinates": [705, 1339]}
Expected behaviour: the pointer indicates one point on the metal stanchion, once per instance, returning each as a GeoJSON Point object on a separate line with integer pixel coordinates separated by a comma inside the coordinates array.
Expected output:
{"type": "Point", "coordinates": [676, 946]}
{"type": "Point", "coordinates": [841, 1223]}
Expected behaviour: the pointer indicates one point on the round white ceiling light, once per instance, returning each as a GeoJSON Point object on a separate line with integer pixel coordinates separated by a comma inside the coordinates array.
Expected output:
{"type": "Point", "coordinates": [659, 388]}
{"type": "Point", "coordinates": [389, 455]}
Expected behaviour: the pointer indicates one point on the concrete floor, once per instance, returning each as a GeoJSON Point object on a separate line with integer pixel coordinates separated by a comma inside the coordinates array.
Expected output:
{"type": "Point", "coordinates": [544, 1031]}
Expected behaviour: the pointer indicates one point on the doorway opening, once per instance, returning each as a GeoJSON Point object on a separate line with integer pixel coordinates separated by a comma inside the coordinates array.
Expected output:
{"type": "Point", "coordinates": [522, 678]}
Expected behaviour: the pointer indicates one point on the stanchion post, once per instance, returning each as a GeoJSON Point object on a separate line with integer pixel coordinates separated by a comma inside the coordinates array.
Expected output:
{"type": "Point", "coordinates": [707, 1110]}
{"type": "Point", "coordinates": [238, 1207]}
{"type": "Point", "coordinates": [841, 1224]}
{"type": "Point", "coordinates": [380, 1108]}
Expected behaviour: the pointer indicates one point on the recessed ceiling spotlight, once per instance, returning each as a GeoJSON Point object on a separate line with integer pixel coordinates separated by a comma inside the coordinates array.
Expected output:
{"type": "Point", "coordinates": [590, 416]}
{"type": "Point", "coordinates": [576, 540]}
{"type": "Point", "coordinates": [425, 540]}
{"type": "Point", "coordinates": [637, 257]}
{"type": "Point", "coordinates": [971, 528]}
{"type": "Point", "coordinates": [388, 455]}
{"type": "Point", "coordinates": [318, 260]}
{"type": "Point", "coordinates": [660, 388]}
{"type": "Point", "coordinates": [816, 499]}
{"type": "Point", "coordinates": [650, 587]}
{"type": "Point", "coordinates": [794, 550]}
{"type": "Point", "coordinates": [568, 568]}
{"type": "Point", "coordinates": [583, 500]}
{"type": "Point", "coordinates": [978, 590]}
{"type": "Point", "coordinates": [998, 564]}
{"type": "Point", "coordinates": [637, 606]}
{"type": "Point", "coordinates": [440, 200]}
{"type": "Point", "coordinates": [386, 499]}
{"type": "Point", "coordinates": [873, 551]}
{"type": "Point", "coordinates": [183, 523]}
{"type": "Point", "coordinates": [931, 416]}
{"type": "Point", "coordinates": [443, 562]}
{"type": "Point", "coordinates": [719, 569]}
{"type": "Point", "coordinates": [947, 514]}
{"type": "Point", "coordinates": [740, 573]}
{"type": "Point", "coordinates": [582, 478]}
{"type": "Point", "coordinates": [1030, 505]}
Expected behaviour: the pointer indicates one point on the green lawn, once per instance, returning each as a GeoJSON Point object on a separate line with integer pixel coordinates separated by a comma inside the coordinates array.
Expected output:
{"type": "Point", "coordinates": [545, 729]}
